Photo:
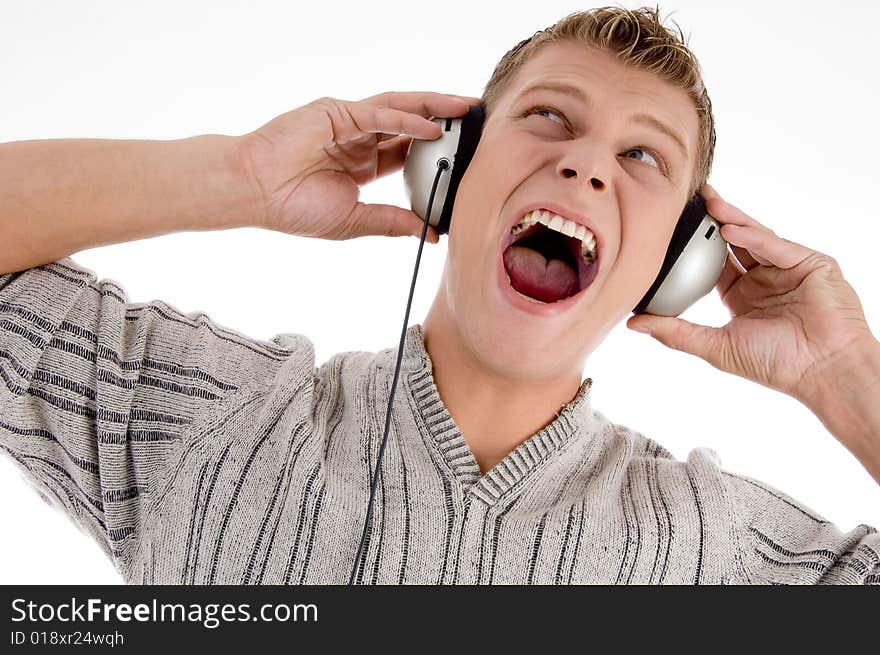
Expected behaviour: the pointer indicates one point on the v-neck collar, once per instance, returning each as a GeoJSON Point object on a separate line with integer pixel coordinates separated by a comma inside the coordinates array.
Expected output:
{"type": "Point", "coordinates": [516, 467]}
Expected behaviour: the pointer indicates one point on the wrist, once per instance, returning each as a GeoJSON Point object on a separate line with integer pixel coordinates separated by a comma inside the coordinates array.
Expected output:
{"type": "Point", "coordinates": [196, 183]}
{"type": "Point", "coordinates": [850, 374]}
{"type": "Point", "coordinates": [221, 189]}
{"type": "Point", "coordinates": [844, 396]}
{"type": "Point", "coordinates": [241, 162]}
{"type": "Point", "coordinates": [244, 162]}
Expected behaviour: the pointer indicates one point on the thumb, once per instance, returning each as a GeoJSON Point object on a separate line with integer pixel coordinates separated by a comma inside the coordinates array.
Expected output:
{"type": "Point", "coordinates": [703, 341]}
{"type": "Point", "coordinates": [391, 221]}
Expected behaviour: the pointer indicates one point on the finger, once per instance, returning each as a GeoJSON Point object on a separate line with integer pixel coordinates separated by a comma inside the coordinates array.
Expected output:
{"type": "Point", "coordinates": [732, 287]}
{"type": "Point", "coordinates": [748, 259]}
{"type": "Point", "coordinates": [391, 221]}
{"type": "Point", "coordinates": [392, 154]}
{"type": "Point", "coordinates": [726, 213]}
{"type": "Point", "coordinates": [744, 258]}
{"type": "Point", "coordinates": [731, 272]}
{"type": "Point", "coordinates": [424, 103]}
{"type": "Point", "coordinates": [703, 341]}
{"type": "Point", "coordinates": [765, 246]}
{"type": "Point", "coordinates": [352, 122]}
{"type": "Point", "coordinates": [708, 192]}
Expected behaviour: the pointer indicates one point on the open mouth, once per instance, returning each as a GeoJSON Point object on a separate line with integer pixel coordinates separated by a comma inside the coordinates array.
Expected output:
{"type": "Point", "coordinates": [550, 259]}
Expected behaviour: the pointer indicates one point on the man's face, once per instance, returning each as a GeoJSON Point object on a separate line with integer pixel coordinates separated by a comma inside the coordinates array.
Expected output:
{"type": "Point", "coordinates": [589, 159]}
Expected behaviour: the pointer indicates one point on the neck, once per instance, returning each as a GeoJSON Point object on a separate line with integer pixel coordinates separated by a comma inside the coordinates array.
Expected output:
{"type": "Point", "coordinates": [494, 412]}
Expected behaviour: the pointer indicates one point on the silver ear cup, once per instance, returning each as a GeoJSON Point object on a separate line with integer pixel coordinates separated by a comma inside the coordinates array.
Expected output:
{"type": "Point", "coordinates": [695, 272]}
{"type": "Point", "coordinates": [420, 167]}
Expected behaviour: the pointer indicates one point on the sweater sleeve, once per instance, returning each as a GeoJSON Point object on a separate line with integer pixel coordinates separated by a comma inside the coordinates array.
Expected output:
{"type": "Point", "coordinates": [782, 541]}
{"type": "Point", "coordinates": [96, 392]}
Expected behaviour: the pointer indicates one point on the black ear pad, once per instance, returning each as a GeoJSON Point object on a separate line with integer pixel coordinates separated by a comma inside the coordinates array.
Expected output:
{"type": "Point", "coordinates": [469, 138]}
{"type": "Point", "coordinates": [690, 220]}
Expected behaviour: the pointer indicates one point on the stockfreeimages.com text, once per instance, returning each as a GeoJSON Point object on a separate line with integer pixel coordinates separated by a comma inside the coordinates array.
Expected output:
{"type": "Point", "coordinates": [209, 615]}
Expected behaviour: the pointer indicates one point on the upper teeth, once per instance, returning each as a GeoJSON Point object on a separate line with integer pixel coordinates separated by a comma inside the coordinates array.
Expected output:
{"type": "Point", "coordinates": [563, 225]}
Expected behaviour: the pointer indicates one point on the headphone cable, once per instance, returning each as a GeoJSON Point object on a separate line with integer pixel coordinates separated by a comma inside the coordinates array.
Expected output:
{"type": "Point", "coordinates": [442, 165]}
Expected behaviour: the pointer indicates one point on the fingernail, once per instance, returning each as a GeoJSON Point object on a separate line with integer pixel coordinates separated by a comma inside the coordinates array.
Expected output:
{"type": "Point", "coordinates": [644, 329]}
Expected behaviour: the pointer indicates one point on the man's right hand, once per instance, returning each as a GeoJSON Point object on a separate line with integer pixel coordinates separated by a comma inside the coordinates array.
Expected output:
{"type": "Point", "coordinates": [308, 164]}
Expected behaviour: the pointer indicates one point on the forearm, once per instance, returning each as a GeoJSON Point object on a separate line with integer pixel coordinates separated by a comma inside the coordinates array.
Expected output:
{"type": "Point", "coordinates": [848, 404]}
{"type": "Point", "coordinates": [61, 196]}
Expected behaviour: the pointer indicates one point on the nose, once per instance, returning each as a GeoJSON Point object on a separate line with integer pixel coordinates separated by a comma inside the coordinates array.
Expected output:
{"type": "Point", "coordinates": [580, 166]}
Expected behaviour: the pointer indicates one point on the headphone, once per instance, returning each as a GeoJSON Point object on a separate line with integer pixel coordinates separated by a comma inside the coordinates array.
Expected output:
{"type": "Point", "coordinates": [694, 258]}
{"type": "Point", "coordinates": [691, 268]}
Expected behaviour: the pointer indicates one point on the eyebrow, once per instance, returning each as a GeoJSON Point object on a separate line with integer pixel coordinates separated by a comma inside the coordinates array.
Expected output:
{"type": "Point", "coordinates": [644, 119]}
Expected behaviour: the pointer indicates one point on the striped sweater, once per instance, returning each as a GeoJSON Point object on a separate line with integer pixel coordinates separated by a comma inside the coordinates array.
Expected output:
{"type": "Point", "coordinates": [194, 454]}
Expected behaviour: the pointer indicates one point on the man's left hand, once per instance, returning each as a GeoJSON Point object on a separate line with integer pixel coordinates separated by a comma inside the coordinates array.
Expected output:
{"type": "Point", "coordinates": [795, 320]}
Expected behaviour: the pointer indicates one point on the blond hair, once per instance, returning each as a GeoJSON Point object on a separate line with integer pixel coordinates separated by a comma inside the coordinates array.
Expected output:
{"type": "Point", "coordinates": [636, 37]}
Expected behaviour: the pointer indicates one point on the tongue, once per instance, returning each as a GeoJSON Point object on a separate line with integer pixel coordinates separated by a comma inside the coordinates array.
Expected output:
{"type": "Point", "coordinates": [532, 275]}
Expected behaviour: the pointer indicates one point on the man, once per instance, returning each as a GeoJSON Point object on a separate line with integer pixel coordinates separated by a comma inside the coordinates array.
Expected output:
{"type": "Point", "coordinates": [194, 454]}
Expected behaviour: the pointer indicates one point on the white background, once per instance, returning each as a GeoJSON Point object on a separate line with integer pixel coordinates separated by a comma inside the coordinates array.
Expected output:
{"type": "Point", "coordinates": [793, 86]}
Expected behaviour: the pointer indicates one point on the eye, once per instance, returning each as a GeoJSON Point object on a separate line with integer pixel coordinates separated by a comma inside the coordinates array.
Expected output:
{"type": "Point", "coordinates": [543, 111]}
{"type": "Point", "coordinates": [656, 159]}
